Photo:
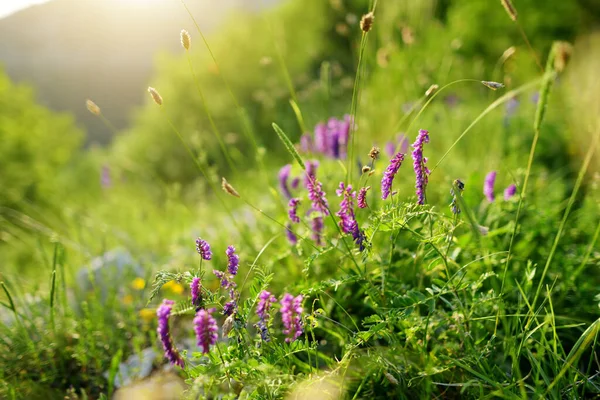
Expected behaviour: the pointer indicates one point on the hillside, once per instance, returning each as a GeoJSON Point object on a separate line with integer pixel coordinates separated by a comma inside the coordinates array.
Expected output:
{"type": "Point", "coordinates": [70, 50]}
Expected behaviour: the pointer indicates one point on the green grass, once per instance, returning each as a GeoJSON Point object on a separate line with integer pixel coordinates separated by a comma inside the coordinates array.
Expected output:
{"type": "Point", "coordinates": [498, 301]}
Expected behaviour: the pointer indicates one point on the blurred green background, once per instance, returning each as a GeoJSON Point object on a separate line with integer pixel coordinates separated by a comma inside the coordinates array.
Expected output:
{"type": "Point", "coordinates": [124, 179]}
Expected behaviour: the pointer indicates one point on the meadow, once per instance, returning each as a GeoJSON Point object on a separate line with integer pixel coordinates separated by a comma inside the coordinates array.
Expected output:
{"type": "Point", "coordinates": [336, 199]}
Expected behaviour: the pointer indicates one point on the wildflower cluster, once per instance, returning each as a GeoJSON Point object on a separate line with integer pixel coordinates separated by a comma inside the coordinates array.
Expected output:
{"type": "Point", "coordinates": [205, 326]}
{"type": "Point", "coordinates": [488, 188]}
{"type": "Point", "coordinates": [329, 139]}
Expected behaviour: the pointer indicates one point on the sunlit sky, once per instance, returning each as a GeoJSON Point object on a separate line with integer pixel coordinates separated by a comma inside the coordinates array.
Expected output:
{"type": "Point", "coordinates": [10, 6]}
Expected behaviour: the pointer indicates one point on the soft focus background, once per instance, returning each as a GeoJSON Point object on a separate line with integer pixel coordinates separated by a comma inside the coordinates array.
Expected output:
{"type": "Point", "coordinates": [75, 186]}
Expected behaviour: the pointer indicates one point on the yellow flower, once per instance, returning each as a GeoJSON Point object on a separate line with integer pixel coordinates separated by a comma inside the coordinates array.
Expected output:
{"type": "Point", "coordinates": [147, 314]}
{"type": "Point", "coordinates": [174, 287]}
{"type": "Point", "coordinates": [138, 283]}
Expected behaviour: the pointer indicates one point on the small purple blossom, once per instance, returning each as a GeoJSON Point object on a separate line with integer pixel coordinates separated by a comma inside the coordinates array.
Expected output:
{"type": "Point", "coordinates": [284, 176]}
{"type": "Point", "coordinates": [389, 174]}
{"type": "Point", "coordinates": [265, 299]}
{"type": "Point", "coordinates": [390, 147]}
{"type": "Point", "coordinates": [206, 329]}
{"type": "Point", "coordinates": [306, 143]}
{"type": "Point", "coordinates": [293, 210]}
{"type": "Point", "coordinates": [510, 191]}
{"type": "Point", "coordinates": [317, 230]}
{"type": "Point", "coordinates": [195, 289]}
{"type": "Point", "coordinates": [488, 186]}
{"type": "Point", "coordinates": [295, 183]}
{"type": "Point", "coordinates": [225, 281]}
{"type": "Point", "coordinates": [330, 139]}
{"type": "Point", "coordinates": [291, 236]}
{"type": "Point", "coordinates": [362, 197]}
{"type": "Point", "coordinates": [163, 313]}
{"type": "Point", "coordinates": [229, 307]}
{"type": "Point", "coordinates": [348, 222]}
{"type": "Point", "coordinates": [233, 260]}
{"type": "Point", "coordinates": [203, 248]}
{"type": "Point", "coordinates": [421, 171]}
{"type": "Point", "coordinates": [105, 180]}
{"type": "Point", "coordinates": [291, 316]}
{"type": "Point", "coordinates": [311, 171]}
{"type": "Point", "coordinates": [317, 196]}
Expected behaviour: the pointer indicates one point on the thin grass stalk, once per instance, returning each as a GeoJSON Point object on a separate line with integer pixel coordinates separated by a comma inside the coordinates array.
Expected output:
{"type": "Point", "coordinates": [215, 130]}
{"type": "Point", "coordinates": [214, 188]}
{"type": "Point", "coordinates": [239, 108]}
{"type": "Point", "coordinates": [354, 107]}
{"type": "Point", "coordinates": [507, 96]}
{"type": "Point", "coordinates": [563, 222]}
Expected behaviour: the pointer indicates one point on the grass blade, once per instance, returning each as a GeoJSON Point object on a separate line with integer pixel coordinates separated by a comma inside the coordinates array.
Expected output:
{"type": "Point", "coordinates": [289, 145]}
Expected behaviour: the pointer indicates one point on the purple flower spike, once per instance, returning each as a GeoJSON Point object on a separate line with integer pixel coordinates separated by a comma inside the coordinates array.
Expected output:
{"type": "Point", "coordinates": [295, 183]}
{"type": "Point", "coordinates": [291, 316]}
{"type": "Point", "coordinates": [225, 282]}
{"type": "Point", "coordinates": [488, 186]}
{"type": "Point", "coordinates": [362, 197]}
{"type": "Point", "coordinates": [317, 196]}
{"type": "Point", "coordinates": [163, 313]}
{"type": "Point", "coordinates": [389, 174]}
{"type": "Point", "coordinates": [233, 260]}
{"type": "Point", "coordinates": [293, 210]}
{"type": "Point", "coordinates": [306, 143]}
{"type": "Point", "coordinates": [421, 171]}
{"type": "Point", "coordinates": [195, 289]}
{"type": "Point", "coordinates": [203, 248]}
{"type": "Point", "coordinates": [229, 307]}
{"type": "Point", "coordinates": [390, 148]}
{"type": "Point", "coordinates": [265, 299]}
{"type": "Point", "coordinates": [317, 230]}
{"type": "Point", "coordinates": [105, 180]}
{"type": "Point", "coordinates": [291, 236]}
{"type": "Point", "coordinates": [510, 191]}
{"type": "Point", "coordinates": [321, 138]}
{"type": "Point", "coordinates": [311, 171]}
{"type": "Point", "coordinates": [348, 222]}
{"type": "Point", "coordinates": [284, 176]}
{"type": "Point", "coordinates": [206, 329]}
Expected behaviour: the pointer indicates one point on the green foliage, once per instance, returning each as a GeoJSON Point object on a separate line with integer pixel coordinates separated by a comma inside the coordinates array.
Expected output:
{"type": "Point", "coordinates": [36, 145]}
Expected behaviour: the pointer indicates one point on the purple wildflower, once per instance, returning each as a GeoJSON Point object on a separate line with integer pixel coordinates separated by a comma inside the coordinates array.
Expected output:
{"type": "Point", "coordinates": [291, 235]}
{"type": "Point", "coordinates": [311, 171]}
{"type": "Point", "coordinates": [295, 183]}
{"type": "Point", "coordinates": [291, 316]}
{"type": "Point", "coordinates": [346, 213]}
{"type": "Point", "coordinates": [105, 180]}
{"type": "Point", "coordinates": [390, 148]}
{"type": "Point", "coordinates": [306, 143]}
{"type": "Point", "coordinates": [293, 210]}
{"type": "Point", "coordinates": [510, 191]}
{"type": "Point", "coordinates": [362, 197]}
{"type": "Point", "coordinates": [317, 196]}
{"type": "Point", "coordinates": [321, 138]}
{"type": "Point", "coordinates": [195, 289]}
{"type": "Point", "coordinates": [389, 174]}
{"type": "Point", "coordinates": [225, 282]}
{"type": "Point", "coordinates": [421, 171]}
{"type": "Point", "coordinates": [163, 313]}
{"type": "Point", "coordinates": [229, 307]}
{"type": "Point", "coordinates": [206, 329]}
{"type": "Point", "coordinates": [203, 248]}
{"type": "Point", "coordinates": [488, 186]}
{"type": "Point", "coordinates": [233, 260]}
{"type": "Point", "coordinates": [265, 299]}
{"type": "Point", "coordinates": [284, 176]}
{"type": "Point", "coordinates": [317, 230]}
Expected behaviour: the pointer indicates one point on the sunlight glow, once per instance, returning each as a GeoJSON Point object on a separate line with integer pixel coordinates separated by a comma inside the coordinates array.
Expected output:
{"type": "Point", "coordinates": [8, 7]}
